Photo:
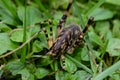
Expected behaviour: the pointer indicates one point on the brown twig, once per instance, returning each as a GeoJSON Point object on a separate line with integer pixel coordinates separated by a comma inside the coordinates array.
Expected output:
{"type": "Point", "coordinates": [20, 29]}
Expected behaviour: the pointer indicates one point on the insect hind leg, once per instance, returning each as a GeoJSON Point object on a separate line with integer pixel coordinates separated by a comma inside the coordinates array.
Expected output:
{"type": "Point", "coordinates": [48, 32]}
{"type": "Point", "coordinates": [63, 61]}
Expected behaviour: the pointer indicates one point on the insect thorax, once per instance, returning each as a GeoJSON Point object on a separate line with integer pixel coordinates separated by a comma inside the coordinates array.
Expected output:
{"type": "Point", "coordinates": [67, 39]}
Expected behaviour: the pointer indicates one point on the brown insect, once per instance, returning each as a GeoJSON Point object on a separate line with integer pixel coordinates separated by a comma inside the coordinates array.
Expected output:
{"type": "Point", "coordinates": [67, 38]}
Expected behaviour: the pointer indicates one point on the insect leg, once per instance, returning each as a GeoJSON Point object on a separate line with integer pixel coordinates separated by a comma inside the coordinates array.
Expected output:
{"type": "Point", "coordinates": [63, 61]}
{"type": "Point", "coordinates": [90, 21]}
{"type": "Point", "coordinates": [50, 41]}
{"type": "Point", "coordinates": [48, 35]}
{"type": "Point", "coordinates": [63, 18]}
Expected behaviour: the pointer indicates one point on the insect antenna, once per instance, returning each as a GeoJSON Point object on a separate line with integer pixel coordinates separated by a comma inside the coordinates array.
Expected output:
{"type": "Point", "coordinates": [90, 21]}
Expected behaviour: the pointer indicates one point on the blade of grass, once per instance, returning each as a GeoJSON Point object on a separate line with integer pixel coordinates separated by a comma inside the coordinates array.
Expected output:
{"type": "Point", "coordinates": [108, 71]}
{"type": "Point", "coordinates": [79, 14]}
{"type": "Point", "coordinates": [79, 64]}
{"type": "Point", "coordinates": [104, 49]}
{"type": "Point", "coordinates": [42, 7]}
{"type": "Point", "coordinates": [23, 55]}
{"type": "Point", "coordinates": [95, 6]}
{"type": "Point", "coordinates": [91, 56]}
{"type": "Point", "coordinates": [92, 59]}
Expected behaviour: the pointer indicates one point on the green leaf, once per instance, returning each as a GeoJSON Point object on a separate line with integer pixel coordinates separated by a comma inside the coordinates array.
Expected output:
{"type": "Point", "coordinates": [95, 38]}
{"type": "Point", "coordinates": [4, 28]}
{"type": "Point", "coordinates": [43, 39]}
{"type": "Point", "coordinates": [6, 5]}
{"type": "Point", "coordinates": [97, 5]}
{"type": "Point", "coordinates": [96, 54]}
{"type": "Point", "coordinates": [115, 76]}
{"type": "Point", "coordinates": [103, 51]}
{"type": "Point", "coordinates": [34, 29]}
{"type": "Point", "coordinates": [14, 67]}
{"type": "Point", "coordinates": [84, 54]}
{"type": "Point", "coordinates": [1, 73]}
{"type": "Point", "coordinates": [8, 44]}
{"type": "Point", "coordinates": [33, 15]}
{"type": "Point", "coordinates": [17, 36]}
{"type": "Point", "coordinates": [77, 53]}
{"type": "Point", "coordinates": [58, 3]}
{"type": "Point", "coordinates": [6, 18]}
{"type": "Point", "coordinates": [31, 67]}
{"type": "Point", "coordinates": [82, 75]}
{"type": "Point", "coordinates": [62, 75]}
{"type": "Point", "coordinates": [108, 71]}
{"type": "Point", "coordinates": [8, 12]}
{"type": "Point", "coordinates": [108, 35]}
{"type": "Point", "coordinates": [54, 65]}
{"type": "Point", "coordinates": [58, 15]}
{"type": "Point", "coordinates": [40, 5]}
{"type": "Point", "coordinates": [101, 14]}
{"type": "Point", "coordinates": [78, 13]}
{"type": "Point", "coordinates": [26, 75]}
{"type": "Point", "coordinates": [102, 27]}
{"type": "Point", "coordinates": [113, 47]}
{"type": "Point", "coordinates": [39, 45]}
{"type": "Point", "coordinates": [80, 65]}
{"type": "Point", "coordinates": [70, 66]}
{"type": "Point", "coordinates": [44, 61]}
{"type": "Point", "coordinates": [116, 28]}
{"type": "Point", "coordinates": [41, 72]}
{"type": "Point", "coordinates": [116, 2]}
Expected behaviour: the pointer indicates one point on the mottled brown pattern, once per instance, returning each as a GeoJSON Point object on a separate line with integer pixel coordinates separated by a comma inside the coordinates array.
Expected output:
{"type": "Point", "coordinates": [66, 40]}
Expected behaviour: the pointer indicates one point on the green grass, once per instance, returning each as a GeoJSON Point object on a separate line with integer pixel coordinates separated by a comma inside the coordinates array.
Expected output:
{"type": "Point", "coordinates": [22, 45]}
{"type": "Point", "coordinates": [24, 51]}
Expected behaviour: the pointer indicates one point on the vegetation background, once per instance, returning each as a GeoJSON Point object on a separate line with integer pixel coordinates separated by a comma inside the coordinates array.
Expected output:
{"type": "Point", "coordinates": [21, 46]}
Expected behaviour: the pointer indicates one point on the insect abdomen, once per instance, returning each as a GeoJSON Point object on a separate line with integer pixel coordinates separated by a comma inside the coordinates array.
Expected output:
{"type": "Point", "coordinates": [65, 40]}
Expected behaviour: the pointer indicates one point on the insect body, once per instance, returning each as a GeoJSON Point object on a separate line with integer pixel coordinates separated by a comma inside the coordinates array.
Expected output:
{"type": "Point", "coordinates": [67, 39]}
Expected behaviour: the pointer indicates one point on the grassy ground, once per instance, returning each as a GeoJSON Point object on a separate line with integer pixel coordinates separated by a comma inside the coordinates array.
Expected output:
{"type": "Point", "coordinates": [22, 47]}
